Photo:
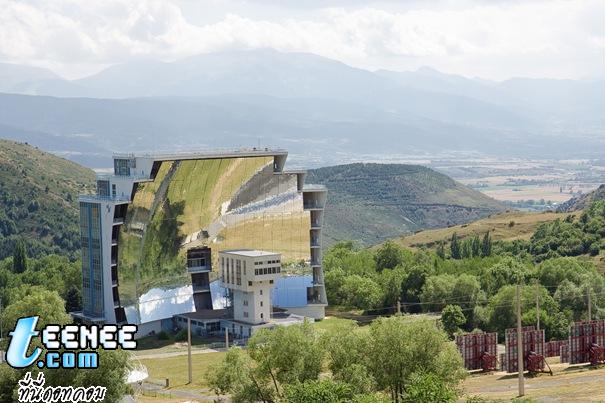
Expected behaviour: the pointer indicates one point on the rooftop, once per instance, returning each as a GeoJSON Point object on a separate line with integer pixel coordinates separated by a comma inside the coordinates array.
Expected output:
{"type": "Point", "coordinates": [206, 154]}
{"type": "Point", "coordinates": [249, 252]}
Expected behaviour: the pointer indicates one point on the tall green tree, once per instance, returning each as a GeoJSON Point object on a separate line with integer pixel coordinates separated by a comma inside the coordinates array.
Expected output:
{"type": "Point", "coordinates": [455, 247]}
{"type": "Point", "coordinates": [452, 318]}
{"type": "Point", "coordinates": [486, 245]}
{"type": "Point", "coordinates": [388, 256]}
{"type": "Point", "coordinates": [19, 257]}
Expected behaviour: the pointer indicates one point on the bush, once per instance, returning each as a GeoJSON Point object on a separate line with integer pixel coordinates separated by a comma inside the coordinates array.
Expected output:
{"type": "Point", "coordinates": [429, 388]}
{"type": "Point", "coordinates": [181, 335]}
{"type": "Point", "coordinates": [164, 336]}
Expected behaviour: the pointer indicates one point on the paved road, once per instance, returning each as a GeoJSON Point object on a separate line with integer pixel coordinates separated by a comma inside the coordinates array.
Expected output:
{"type": "Point", "coordinates": [178, 353]}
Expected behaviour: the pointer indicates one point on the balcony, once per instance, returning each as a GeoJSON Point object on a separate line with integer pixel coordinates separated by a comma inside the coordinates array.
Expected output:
{"type": "Point", "coordinates": [201, 288]}
{"type": "Point", "coordinates": [315, 243]}
{"type": "Point", "coordinates": [312, 205]}
{"type": "Point", "coordinates": [96, 198]}
{"type": "Point", "coordinates": [114, 262]}
{"type": "Point", "coordinates": [197, 265]}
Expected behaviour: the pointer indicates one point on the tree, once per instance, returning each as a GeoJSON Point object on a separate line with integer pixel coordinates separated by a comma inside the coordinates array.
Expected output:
{"type": "Point", "coordinates": [476, 246]}
{"type": "Point", "coordinates": [237, 376]}
{"type": "Point", "coordinates": [388, 256]}
{"type": "Point", "coordinates": [347, 349]}
{"type": "Point", "coordinates": [325, 390]}
{"type": "Point", "coordinates": [437, 291]}
{"type": "Point", "coordinates": [440, 250]}
{"type": "Point", "coordinates": [46, 304]}
{"type": "Point", "coordinates": [429, 388]}
{"type": "Point", "coordinates": [455, 250]}
{"type": "Point", "coordinates": [360, 292]}
{"type": "Point", "coordinates": [400, 348]}
{"type": "Point", "coordinates": [486, 245]}
{"type": "Point", "coordinates": [452, 318]}
{"type": "Point", "coordinates": [286, 354]}
{"type": "Point", "coordinates": [73, 300]}
{"type": "Point", "coordinates": [19, 257]}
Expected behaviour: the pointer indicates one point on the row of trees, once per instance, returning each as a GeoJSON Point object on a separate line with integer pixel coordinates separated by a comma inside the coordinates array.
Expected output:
{"type": "Point", "coordinates": [482, 287]}
{"type": "Point", "coordinates": [394, 359]}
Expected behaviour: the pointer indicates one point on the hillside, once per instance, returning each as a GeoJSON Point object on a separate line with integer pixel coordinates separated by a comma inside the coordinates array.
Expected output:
{"type": "Point", "coordinates": [583, 201]}
{"type": "Point", "coordinates": [505, 226]}
{"type": "Point", "coordinates": [38, 199]}
{"type": "Point", "coordinates": [372, 202]}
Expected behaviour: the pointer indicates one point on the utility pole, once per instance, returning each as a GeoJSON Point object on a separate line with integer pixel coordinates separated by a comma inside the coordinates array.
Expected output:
{"type": "Point", "coordinates": [589, 304]}
{"type": "Point", "coordinates": [537, 307]}
{"type": "Point", "coordinates": [398, 306]}
{"type": "Point", "coordinates": [189, 349]}
{"type": "Point", "coordinates": [520, 344]}
{"type": "Point", "coordinates": [227, 338]}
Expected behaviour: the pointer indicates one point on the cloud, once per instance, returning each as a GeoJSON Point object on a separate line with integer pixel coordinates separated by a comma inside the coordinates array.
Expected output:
{"type": "Point", "coordinates": [492, 39]}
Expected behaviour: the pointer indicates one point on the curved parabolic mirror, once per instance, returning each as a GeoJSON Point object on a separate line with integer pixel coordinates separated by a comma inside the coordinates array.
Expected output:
{"type": "Point", "coordinates": [222, 204]}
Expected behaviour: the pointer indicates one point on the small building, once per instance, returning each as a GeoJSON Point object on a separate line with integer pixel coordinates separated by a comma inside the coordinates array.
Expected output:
{"type": "Point", "coordinates": [250, 277]}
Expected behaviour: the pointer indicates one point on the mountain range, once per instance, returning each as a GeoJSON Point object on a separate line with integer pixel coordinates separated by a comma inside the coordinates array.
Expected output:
{"type": "Point", "coordinates": [318, 108]}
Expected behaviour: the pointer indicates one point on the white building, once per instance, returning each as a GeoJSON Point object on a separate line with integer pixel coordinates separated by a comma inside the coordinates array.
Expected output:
{"type": "Point", "coordinates": [250, 276]}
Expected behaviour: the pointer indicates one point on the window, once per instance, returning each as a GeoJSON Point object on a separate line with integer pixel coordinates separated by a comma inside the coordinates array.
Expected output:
{"type": "Point", "coordinates": [250, 283]}
{"type": "Point", "coordinates": [113, 190]}
{"type": "Point", "coordinates": [261, 303]}
{"type": "Point", "coordinates": [261, 292]}
{"type": "Point", "coordinates": [261, 315]}
{"type": "Point", "coordinates": [122, 166]}
{"type": "Point", "coordinates": [103, 188]}
{"type": "Point", "coordinates": [270, 281]}
{"type": "Point", "coordinates": [245, 314]}
{"type": "Point", "coordinates": [244, 267]}
{"type": "Point", "coordinates": [238, 273]}
{"type": "Point", "coordinates": [245, 303]}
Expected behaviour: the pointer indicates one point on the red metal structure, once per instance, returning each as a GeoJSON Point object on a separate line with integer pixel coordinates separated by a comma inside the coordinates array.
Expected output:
{"type": "Point", "coordinates": [587, 342]}
{"type": "Point", "coordinates": [478, 350]}
{"type": "Point", "coordinates": [533, 350]}
{"type": "Point", "coordinates": [553, 348]}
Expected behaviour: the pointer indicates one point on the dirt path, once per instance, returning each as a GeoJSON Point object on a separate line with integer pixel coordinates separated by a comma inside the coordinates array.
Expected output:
{"type": "Point", "coordinates": [568, 384]}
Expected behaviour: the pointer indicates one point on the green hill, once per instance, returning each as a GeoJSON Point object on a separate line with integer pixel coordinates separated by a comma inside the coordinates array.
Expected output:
{"type": "Point", "coordinates": [38, 200]}
{"type": "Point", "coordinates": [373, 202]}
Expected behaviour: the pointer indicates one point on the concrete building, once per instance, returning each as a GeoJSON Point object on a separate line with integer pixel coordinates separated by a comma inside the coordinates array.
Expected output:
{"type": "Point", "coordinates": [250, 276]}
{"type": "Point", "coordinates": [153, 232]}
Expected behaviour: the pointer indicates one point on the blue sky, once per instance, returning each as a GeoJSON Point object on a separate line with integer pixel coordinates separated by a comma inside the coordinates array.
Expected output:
{"type": "Point", "coordinates": [494, 39]}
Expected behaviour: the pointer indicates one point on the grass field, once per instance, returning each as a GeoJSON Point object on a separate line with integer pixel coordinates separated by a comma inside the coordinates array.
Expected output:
{"type": "Point", "coordinates": [175, 369]}
{"type": "Point", "coordinates": [504, 226]}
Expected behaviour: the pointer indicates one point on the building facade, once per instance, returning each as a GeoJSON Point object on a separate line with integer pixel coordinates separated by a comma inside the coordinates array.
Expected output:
{"type": "Point", "coordinates": [153, 232]}
{"type": "Point", "coordinates": [250, 277]}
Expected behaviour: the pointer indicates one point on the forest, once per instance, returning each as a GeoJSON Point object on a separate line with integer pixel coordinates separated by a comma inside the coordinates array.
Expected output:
{"type": "Point", "coordinates": [472, 281]}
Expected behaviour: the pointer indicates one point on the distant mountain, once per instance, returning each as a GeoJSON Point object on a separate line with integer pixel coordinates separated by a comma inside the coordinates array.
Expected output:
{"type": "Point", "coordinates": [373, 202]}
{"type": "Point", "coordinates": [314, 106]}
{"type": "Point", "coordinates": [38, 200]}
{"type": "Point", "coordinates": [581, 202]}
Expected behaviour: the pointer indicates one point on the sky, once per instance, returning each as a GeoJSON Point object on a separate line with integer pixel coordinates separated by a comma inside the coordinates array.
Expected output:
{"type": "Point", "coordinates": [491, 39]}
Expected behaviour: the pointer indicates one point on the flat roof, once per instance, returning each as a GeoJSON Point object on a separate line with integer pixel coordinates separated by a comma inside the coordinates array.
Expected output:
{"type": "Point", "coordinates": [207, 314]}
{"type": "Point", "coordinates": [249, 252]}
{"type": "Point", "coordinates": [206, 154]}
